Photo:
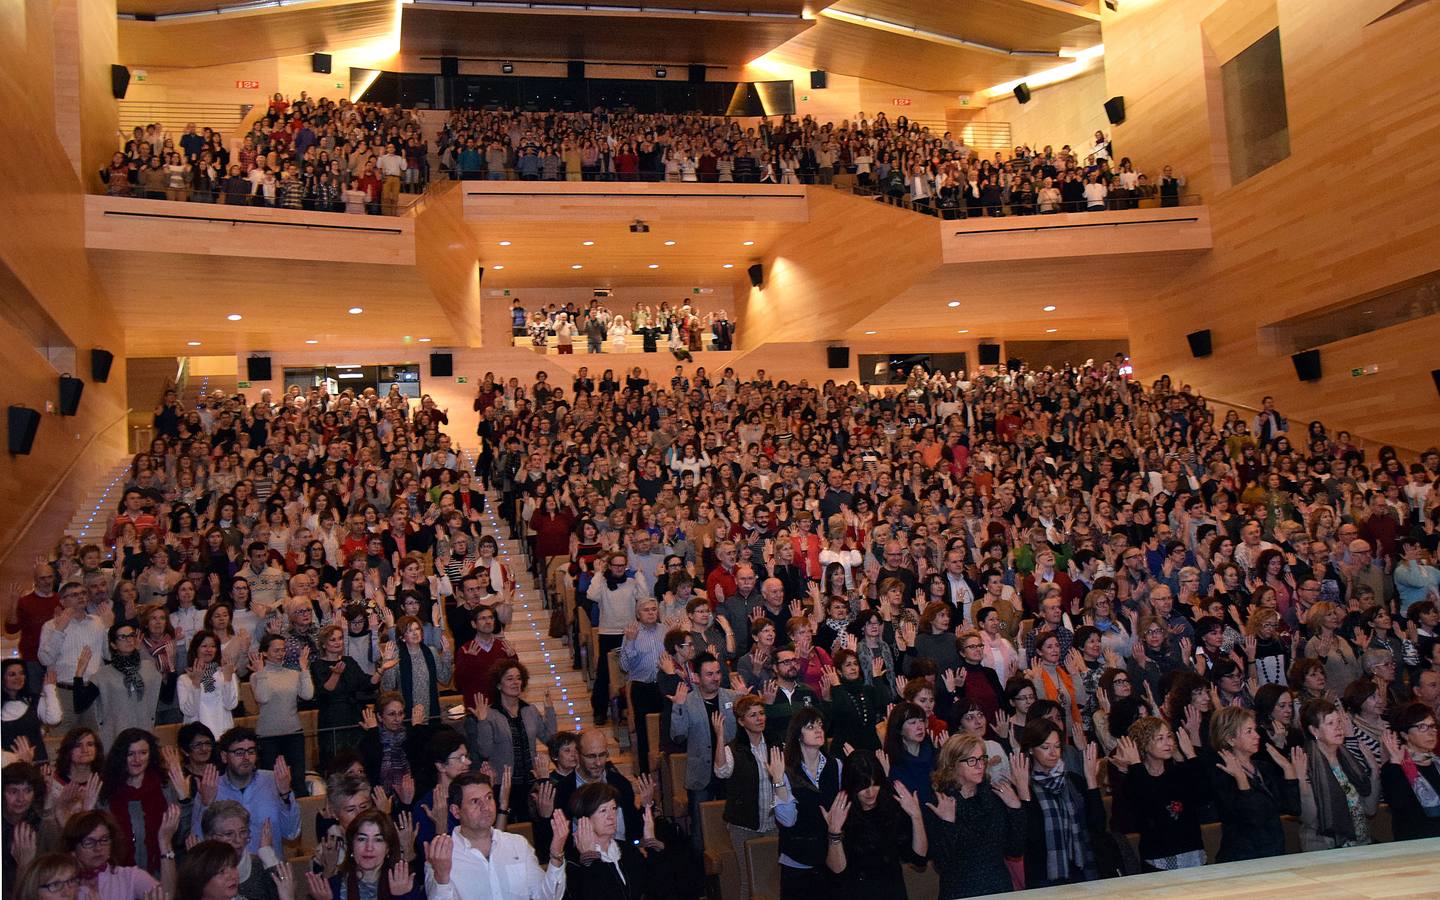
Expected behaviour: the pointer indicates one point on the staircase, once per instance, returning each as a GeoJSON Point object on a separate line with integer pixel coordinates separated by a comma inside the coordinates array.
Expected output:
{"type": "Point", "coordinates": [103, 497]}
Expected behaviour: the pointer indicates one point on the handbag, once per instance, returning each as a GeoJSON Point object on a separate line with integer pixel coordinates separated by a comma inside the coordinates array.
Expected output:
{"type": "Point", "coordinates": [559, 628]}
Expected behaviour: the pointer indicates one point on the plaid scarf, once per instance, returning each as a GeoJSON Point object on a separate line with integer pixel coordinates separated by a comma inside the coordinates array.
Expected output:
{"type": "Point", "coordinates": [128, 665]}
{"type": "Point", "coordinates": [1067, 850]}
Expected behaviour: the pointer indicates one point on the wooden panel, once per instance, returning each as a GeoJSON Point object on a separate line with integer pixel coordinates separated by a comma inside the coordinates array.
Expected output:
{"type": "Point", "coordinates": [1069, 112]}
{"type": "Point", "coordinates": [1113, 232]}
{"type": "Point", "coordinates": [611, 36]}
{"type": "Point", "coordinates": [126, 223]}
{"type": "Point", "coordinates": [654, 202]}
{"type": "Point", "coordinates": [999, 23]}
{"type": "Point", "coordinates": [261, 34]}
{"type": "Point", "coordinates": [162, 7]}
{"type": "Point", "coordinates": [1312, 231]}
{"type": "Point", "coordinates": [448, 255]}
{"type": "Point", "coordinates": [1404, 869]}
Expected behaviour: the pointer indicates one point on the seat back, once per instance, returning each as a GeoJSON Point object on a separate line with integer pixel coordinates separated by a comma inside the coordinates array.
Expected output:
{"type": "Point", "coordinates": [720, 860]}
{"type": "Point", "coordinates": [764, 856]}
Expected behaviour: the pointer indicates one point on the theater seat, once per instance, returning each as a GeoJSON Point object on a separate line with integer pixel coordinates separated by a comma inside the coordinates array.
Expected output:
{"type": "Point", "coordinates": [1210, 834]}
{"type": "Point", "coordinates": [720, 861]}
{"type": "Point", "coordinates": [525, 830]}
{"type": "Point", "coordinates": [679, 799]}
{"type": "Point", "coordinates": [764, 856]}
{"type": "Point", "coordinates": [920, 882]}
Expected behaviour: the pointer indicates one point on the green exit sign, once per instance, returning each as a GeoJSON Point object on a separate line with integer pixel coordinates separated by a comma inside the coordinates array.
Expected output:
{"type": "Point", "coordinates": [1356, 373]}
{"type": "Point", "coordinates": [242, 384]}
{"type": "Point", "coordinates": [339, 86]}
{"type": "Point", "coordinates": [461, 379]}
{"type": "Point", "coordinates": [804, 98]}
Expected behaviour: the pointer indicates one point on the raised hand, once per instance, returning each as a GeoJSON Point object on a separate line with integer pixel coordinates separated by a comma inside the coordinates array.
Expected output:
{"type": "Point", "coordinates": [1006, 792]}
{"type": "Point", "coordinates": [1125, 754]}
{"type": "Point", "coordinates": [1391, 742]}
{"type": "Point", "coordinates": [682, 691]}
{"type": "Point", "coordinates": [82, 662]}
{"type": "Point", "coordinates": [481, 708]}
{"type": "Point", "coordinates": [775, 766]}
{"type": "Point", "coordinates": [737, 684]}
{"type": "Point", "coordinates": [943, 808]}
{"type": "Point", "coordinates": [401, 879]}
{"type": "Point", "coordinates": [645, 790]}
{"type": "Point", "coordinates": [209, 784]}
{"type": "Point", "coordinates": [405, 828]}
{"type": "Point", "coordinates": [282, 776]}
{"type": "Point", "coordinates": [267, 834]}
{"type": "Point", "coordinates": [769, 691]}
{"type": "Point", "coordinates": [507, 781]}
{"type": "Point", "coordinates": [560, 831]}
{"type": "Point", "coordinates": [883, 759]}
{"type": "Point", "coordinates": [406, 791]}
{"type": "Point", "coordinates": [380, 798]}
{"type": "Point", "coordinates": [23, 844]}
{"type": "Point", "coordinates": [418, 715]}
{"type": "Point", "coordinates": [545, 799]}
{"type": "Point", "coordinates": [1020, 774]}
{"type": "Point", "coordinates": [1002, 724]}
{"type": "Point", "coordinates": [648, 816]}
{"type": "Point", "coordinates": [23, 749]}
{"type": "Point", "coordinates": [838, 811]}
{"type": "Point", "coordinates": [1092, 764]}
{"type": "Point", "coordinates": [367, 719]}
{"type": "Point", "coordinates": [1230, 764]}
{"type": "Point", "coordinates": [284, 881]}
{"type": "Point", "coordinates": [440, 852]}
{"type": "Point", "coordinates": [585, 836]}
{"type": "Point", "coordinates": [169, 824]}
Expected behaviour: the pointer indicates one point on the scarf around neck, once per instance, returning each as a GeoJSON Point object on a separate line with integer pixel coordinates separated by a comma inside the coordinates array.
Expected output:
{"type": "Point", "coordinates": [128, 665]}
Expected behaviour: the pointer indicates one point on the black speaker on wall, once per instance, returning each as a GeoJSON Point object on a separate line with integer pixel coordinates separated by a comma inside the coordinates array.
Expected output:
{"type": "Point", "coordinates": [989, 354]}
{"type": "Point", "coordinates": [119, 81]}
{"type": "Point", "coordinates": [320, 63]}
{"type": "Point", "coordinates": [838, 357]}
{"type": "Point", "coordinates": [100, 361]}
{"type": "Point", "coordinates": [442, 365]}
{"type": "Point", "coordinates": [70, 390]}
{"type": "Point", "coordinates": [818, 81]}
{"type": "Point", "coordinates": [575, 70]}
{"type": "Point", "coordinates": [1115, 110]}
{"type": "Point", "coordinates": [257, 368]}
{"type": "Point", "coordinates": [697, 74]}
{"type": "Point", "coordinates": [1435, 374]}
{"type": "Point", "coordinates": [757, 275]}
{"type": "Point", "coordinates": [23, 422]}
{"type": "Point", "coordinates": [449, 66]}
{"type": "Point", "coordinates": [1307, 365]}
{"type": "Point", "coordinates": [1199, 343]}
{"type": "Point", "coordinates": [1022, 92]}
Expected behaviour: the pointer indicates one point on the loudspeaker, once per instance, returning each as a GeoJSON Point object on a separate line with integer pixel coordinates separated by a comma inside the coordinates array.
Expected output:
{"type": "Point", "coordinates": [575, 70]}
{"type": "Point", "coordinates": [1022, 92]}
{"type": "Point", "coordinates": [442, 365]}
{"type": "Point", "coordinates": [449, 66]}
{"type": "Point", "coordinates": [757, 275]}
{"type": "Point", "coordinates": [257, 368]}
{"type": "Point", "coordinates": [1435, 374]}
{"type": "Point", "coordinates": [24, 422]}
{"type": "Point", "coordinates": [70, 391]}
{"type": "Point", "coordinates": [818, 81]}
{"type": "Point", "coordinates": [1307, 365]}
{"type": "Point", "coordinates": [100, 361]}
{"type": "Point", "coordinates": [1115, 110]}
{"type": "Point", "coordinates": [320, 62]}
{"type": "Point", "coordinates": [119, 82]}
{"type": "Point", "coordinates": [1199, 343]}
{"type": "Point", "coordinates": [697, 74]}
{"type": "Point", "coordinates": [838, 357]}
{"type": "Point", "coordinates": [989, 354]}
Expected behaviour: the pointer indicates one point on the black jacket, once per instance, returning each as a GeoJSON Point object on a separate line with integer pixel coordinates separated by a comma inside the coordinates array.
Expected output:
{"type": "Point", "coordinates": [1251, 818]}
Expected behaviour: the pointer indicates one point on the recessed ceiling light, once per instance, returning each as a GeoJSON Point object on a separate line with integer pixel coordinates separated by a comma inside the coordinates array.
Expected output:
{"type": "Point", "coordinates": [654, 265]}
{"type": "Point", "coordinates": [953, 303]}
{"type": "Point", "coordinates": [504, 243]}
{"type": "Point", "coordinates": [234, 317]}
{"type": "Point", "coordinates": [497, 267]}
{"type": "Point", "coordinates": [963, 331]}
{"type": "Point", "coordinates": [312, 341]}
{"type": "Point", "coordinates": [728, 266]}
{"type": "Point", "coordinates": [355, 310]}
{"type": "Point", "coordinates": [192, 343]}
{"type": "Point", "coordinates": [872, 332]}
{"type": "Point", "coordinates": [669, 243]}
{"type": "Point", "coordinates": [587, 243]}
{"type": "Point", "coordinates": [748, 243]}
{"type": "Point", "coordinates": [1049, 309]}
{"type": "Point", "coordinates": [424, 340]}
{"type": "Point", "coordinates": [577, 266]}
{"type": "Point", "coordinates": [1051, 330]}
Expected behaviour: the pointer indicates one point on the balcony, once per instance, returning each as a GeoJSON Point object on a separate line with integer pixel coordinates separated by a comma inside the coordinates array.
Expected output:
{"type": "Point", "coordinates": [501, 202]}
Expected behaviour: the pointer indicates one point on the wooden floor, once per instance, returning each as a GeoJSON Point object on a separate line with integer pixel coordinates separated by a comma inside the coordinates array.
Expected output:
{"type": "Point", "coordinates": [1403, 869]}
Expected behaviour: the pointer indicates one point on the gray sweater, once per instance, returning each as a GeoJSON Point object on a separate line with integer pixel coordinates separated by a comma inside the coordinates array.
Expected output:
{"type": "Point", "coordinates": [277, 690]}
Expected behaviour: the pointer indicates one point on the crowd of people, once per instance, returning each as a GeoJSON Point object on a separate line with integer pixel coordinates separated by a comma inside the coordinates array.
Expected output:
{"type": "Point", "coordinates": [679, 329]}
{"type": "Point", "coordinates": [933, 626]}
{"type": "Point", "coordinates": [307, 154]}
{"type": "Point", "coordinates": [900, 161]}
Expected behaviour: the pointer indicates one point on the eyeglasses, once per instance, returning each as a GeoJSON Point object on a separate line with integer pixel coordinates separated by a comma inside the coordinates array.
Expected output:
{"type": "Point", "coordinates": [1423, 727]}
{"type": "Point", "coordinates": [232, 836]}
{"type": "Point", "coordinates": [971, 760]}
{"type": "Point", "coordinates": [92, 843]}
{"type": "Point", "coordinates": [973, 646]}
{"type": "Point", "coordinates": [54, 887]}
{"type": "Point", "coordinates": [242, 751]}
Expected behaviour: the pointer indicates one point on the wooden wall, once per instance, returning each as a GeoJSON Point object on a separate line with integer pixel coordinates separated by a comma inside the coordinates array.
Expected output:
{"type": "Point", "coordinates": [1068, 112]}
{"type": "Point", "coordinates": [45, 277]}
{"type": "Point", "coordinates": [1349, 212]}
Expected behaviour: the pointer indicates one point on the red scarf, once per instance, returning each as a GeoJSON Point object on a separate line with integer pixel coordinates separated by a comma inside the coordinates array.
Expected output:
{"type": "Point", "coordinates": [139, 807]}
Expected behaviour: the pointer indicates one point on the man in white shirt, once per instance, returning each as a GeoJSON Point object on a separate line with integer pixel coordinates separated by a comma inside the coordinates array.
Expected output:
{"type": "Point", "coordinates": [477, 860]}
{"type": "Point", "coordinates": [390, 166]}
{"type": "Point", "coordinates": [63, 640]}
{"type": "Point", "coordinates": [1095, 193]}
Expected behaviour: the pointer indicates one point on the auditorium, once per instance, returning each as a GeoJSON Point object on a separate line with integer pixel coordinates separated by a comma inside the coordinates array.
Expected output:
{"type": "Point", "coordinates": [735, 449]}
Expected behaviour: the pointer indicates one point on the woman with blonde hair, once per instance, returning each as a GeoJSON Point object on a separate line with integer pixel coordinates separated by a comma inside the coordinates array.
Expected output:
{"type": "Point", "coordinates": [1252, 788]}
{"type": "Point", "coordinates": [1342, 664]}
{"type": "Point", "coordinates": [1268, 654]}
{"type": "Point", "coordinates": [974, 825]}
{"type": "Point", "coordinates": [1159, 786]}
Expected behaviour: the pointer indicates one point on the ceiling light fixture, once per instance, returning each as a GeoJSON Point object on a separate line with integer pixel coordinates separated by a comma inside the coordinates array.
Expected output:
{"type": "Point", "coordinates": [312, 341]}
{"type": "Point", "coordinates": [963, 331]}
{"type": "Point", "coordinates": [424, 340]}
{"type": "Point", "coordinates": [654, 265]}
{"type": "Point", "coordinates": [504, 243]}
{"type": "Point", "coordinates": [577, 266]}
{"type": "Point", "coordinates": [872, 332]}
{"type": "Point", "coordinates": [747, 243]}
{"type": "Point", "coordinates": [587, 243]}
{"type": "Point", "coordinates": [1051, 330]}
{"type": "Point", "coordinates": [669, 243]}
{"type": "Point", "coordinates": [727, 265]}
{"type": "Point", "coordinates": [1048, 308]}
{"type": "Point", "coordinates": [355, 310]}
{"type": "Point", "coordinates": [953, 303]}
{"type": "Point", "coordinates": [192, 343]}
{"type": "Point", "coordinates": [234, 317]}
{"type": "Point", "coordinates": [497, 267]}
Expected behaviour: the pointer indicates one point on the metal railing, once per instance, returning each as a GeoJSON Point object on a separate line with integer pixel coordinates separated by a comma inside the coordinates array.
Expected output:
{"type": "Point", "coordinates": [960, 209]}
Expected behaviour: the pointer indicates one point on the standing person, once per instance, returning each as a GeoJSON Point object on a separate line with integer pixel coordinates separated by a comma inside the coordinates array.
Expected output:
{"type": "Point", "coordinates": [1160, 786]}
{"type": "Point", "coordinates": [266, 794]}
{"type": "Point", "coordinates": [278, 691]}
{"type": "Point", "coordinates": [616, 591]}
{"type": "Point", "coordinates": [1252, 788]}
{"type": "Point", "coordinates": [700, 720]}
{"type": "Point", "coordinates": [420, 672]}
{"type": "Point", "coordinates": [640, 650]}
{"type": "Point", "coordinates": [974, 824]}
{"type": "Point", "coordinates": [25, 711]}
{"type": "Point", "coordinates": [1338, 791]}
{"type": "Point", "coordinates": [342, 689]}
{"type": "Point", "coordinates": [1063, 811]}
{"type": "Point", "coordinates": [872, 829]}
{"type": "Point", "coordinates": [140, 791]}
{"type": "Point", "coordinates": [756, 790]}
{"type": "Point", "coordinates": [209, 689]}
{"type": "Point", "coordinates": [503, 729]}
{"type": "Point", "coordinates": [128, 688]}
{"type": "Point", "coordinates": [478, 657]}
{"type": "Point", "coordinates": [813, 778]}
{"type": "Point", "coordinates": [478, 861]}
{"type": "Point", "coordinates": [62, 639]}
{"type": "Point", "coordinates": [28, 614]}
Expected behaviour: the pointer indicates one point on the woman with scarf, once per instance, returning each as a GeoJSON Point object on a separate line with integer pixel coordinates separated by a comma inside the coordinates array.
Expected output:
{"type": "Point", "coordinates": [26, 713]}
{"type": "Point", "coordinates": [278, 692]}
{"type": "Point", "coordinates": [872, 646]}
{"type": "Point", "coordinates": [871, 829]}
{"type": "Point", "coordinates": [975, 824]}
{"type": "Point", "coordinates": [341, 691]}
{"type": "Point", "coordinates": [1063, 811]}
{"type": "Point", "coordinates": [1366, 702]}
{"type": "Point", "coordinates": [1160, 786]}
{"type": "Point", "coordinates": [157, 641]}
{"type": "Point", "coordinates": [374, 865]}
{"type": "Point", "coordinates": [1063, 684]}
{"type": "Point", "coordinates": [973, 680]}
{"type": "Point", "coordinates": [1000, 653]}
{"type": "Point", "coordinates": [140, 789]}
{"type": "Point", "coordinates": [95, 841]}
{"type": "Point", "coordinates": [129, 688]}
{"type": "Point", "coordinates": [1338, 792]}
{"type": "Point", "coordinates": [1410, 777]}
{"type": "Point", "coordinates": [504, 728]}
{"type": "Point", "coordinates": [419, 672]}
{"type": "Point", "coordinates": [396, 741]}
{"type": "Point", "coordinates": [1119, 705]}
{"type": "Point", "coordinates": [855, 707]}
{"type": "Point", "coordinates": [209, 689]}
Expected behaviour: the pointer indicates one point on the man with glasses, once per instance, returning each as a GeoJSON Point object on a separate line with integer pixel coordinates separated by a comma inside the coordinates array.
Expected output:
{"type": "Point", "coordinates": [594, 768]}
{"type": "Point", "coordinates": [267, 795]}
{"type": "Point", "coordinates": [786, 694]}
{"type": "Point", "coordinates": [63, 640]}
{"type": "Point", "coordinates": [1363, 571]}
{"type": "Point", "coordinates": [698, 718]}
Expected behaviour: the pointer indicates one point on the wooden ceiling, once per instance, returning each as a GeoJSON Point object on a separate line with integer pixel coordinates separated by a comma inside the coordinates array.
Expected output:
{"type": "Point", "coordinates": [605, 37]}
{"type": "Point", "coordinates": [259, 34]}
{"type": "Point", "coordinates": [542, 254]}
{"type": "Point", "coordinates": [1094, 297]}
{"type": "Point", "coordinates": [1011, 24]}
{"type": "Point", "coordinates": [164, 301]}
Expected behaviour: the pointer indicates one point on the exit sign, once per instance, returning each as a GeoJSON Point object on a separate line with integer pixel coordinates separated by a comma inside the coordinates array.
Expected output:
{"type": "Point", "coordinates": [246, 84]}
{"type": "Point", "coordinates": [902, 101]}
{"type": "Point", "coordinates": [242, 384]}
{"type": "Point", "coordinates": [461, 379]}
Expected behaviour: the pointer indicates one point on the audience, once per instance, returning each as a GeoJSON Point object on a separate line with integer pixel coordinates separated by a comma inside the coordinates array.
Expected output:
{"type": "Point", "coordinates": [934, 623]}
